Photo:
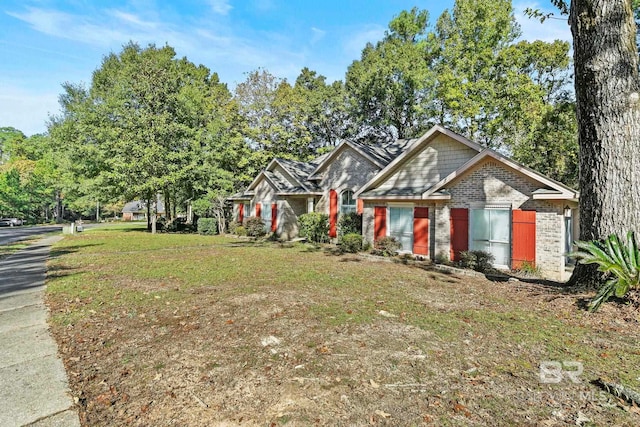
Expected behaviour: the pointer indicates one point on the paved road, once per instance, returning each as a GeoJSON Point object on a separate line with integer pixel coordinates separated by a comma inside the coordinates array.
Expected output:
{"type": "Point", "coordinates": [13, 234]}
{"type": "Point", "coordinates": [33, 382]}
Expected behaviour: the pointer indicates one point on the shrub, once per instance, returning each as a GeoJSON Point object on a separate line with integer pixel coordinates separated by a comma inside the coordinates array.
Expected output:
{"type": "Point", "coordinates": [442, 258]}
{"type": "Point", "coordinates": [386, 246]}
{"type": "Point", "coordinates": [255, 227]}
{"type": "Point", "coordinates": [240, 231]}
{"type": "Point", "coordinates": [476, 260]}
{"type": "Point", "coordinates": [178, 225]}
{"type": "Point", "coordinates": [207, 226]}
{"type": "Point", "coordinates": [232, 226]}
{"type": "Point", "coordinates": [620, 262]}
{"type": "Point", "coordinates": [350, 223]}
{"type": "Point", "coordinates": [351, 243]}
{"type": "Point", "coordinates": [314, 226]}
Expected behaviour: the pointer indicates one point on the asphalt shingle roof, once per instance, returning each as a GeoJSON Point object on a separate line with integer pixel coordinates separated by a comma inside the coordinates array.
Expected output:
{"type": "Point", "coordinates": [383, 154]}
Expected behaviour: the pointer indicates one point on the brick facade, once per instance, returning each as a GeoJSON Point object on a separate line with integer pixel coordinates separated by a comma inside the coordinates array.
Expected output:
{"type": "Point", "coordinates": [436, 172]}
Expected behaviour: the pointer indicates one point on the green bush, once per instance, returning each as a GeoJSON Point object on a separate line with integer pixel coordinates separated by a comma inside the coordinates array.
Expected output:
{"type": "Point", "coordinates": [314, 226]}
{"type": "Point", "coordinates": [351, 243]}
{"type": "Point", "coordinates": [207, 226]}
{"type": "Point", "coordinates": [240, 231]}
{"type": "Point", "coordinates": [232, 226]}
{"type": "Point", "coordinates": [476, 260]}
{"type": "Point", "coordinates": [386, 246]}
{"type": "Point", "coordinates": [350, 223]}
{"type": "Point", "coordinates": [620, 262]}
{"type": "Point", "coordinates": [255, 227]}
{"type": "Point", "coordinates": [442, 258]}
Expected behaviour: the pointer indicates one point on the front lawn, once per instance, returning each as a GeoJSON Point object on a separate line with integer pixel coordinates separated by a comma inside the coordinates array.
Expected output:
{"type": "Point", "coordinates": [168, 330]}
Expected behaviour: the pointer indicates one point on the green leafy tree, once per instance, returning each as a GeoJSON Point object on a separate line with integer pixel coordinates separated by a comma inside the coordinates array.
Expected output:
{"type": "Point", "coordinates": [150, 123]}
{"type": "Point", "coordinates": [391, 86]}
{"type": "Point", "coordinates": [10, 140]}
{"type": "Point", "coordinates": [325, 110]}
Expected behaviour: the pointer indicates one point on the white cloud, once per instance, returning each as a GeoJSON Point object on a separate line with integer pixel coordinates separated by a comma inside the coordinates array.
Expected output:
{"type": "Point", "coordinates": [27, 110]}
{"type": "Point", "coordinates": [555, 28]}
{"type": "Point", "coordinates": [132, 19]}
{"type": "Point", "coordinates": [318, 34]}
{"type": "Point", "coordinates": [355, 42]}
{"type": "Point", "coordinates": [221, 7]}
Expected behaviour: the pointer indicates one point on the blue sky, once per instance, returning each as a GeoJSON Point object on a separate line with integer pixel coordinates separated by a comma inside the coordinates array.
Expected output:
{"type": "Point", "coordinates": [44, 43]}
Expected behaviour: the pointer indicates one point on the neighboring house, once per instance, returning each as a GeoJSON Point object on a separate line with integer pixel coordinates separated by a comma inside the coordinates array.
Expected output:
{"type": "Point", "coordinates": [439, 194]}
{"type": "Point", "coordinates": [137, 210]}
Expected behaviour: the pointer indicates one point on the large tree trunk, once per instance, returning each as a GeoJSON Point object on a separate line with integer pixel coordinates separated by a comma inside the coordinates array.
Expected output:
{"type": "Point", "coordinates": [607, 94]}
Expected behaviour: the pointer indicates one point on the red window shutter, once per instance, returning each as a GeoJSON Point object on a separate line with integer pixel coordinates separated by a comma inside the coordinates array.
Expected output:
{"type": "Point", "coordinates": [380, 222]}
{"type": "Point", "coordinates": [258, 210]}
{"type": "Point", "coordinates": [459, 218]}
{"type": "Point", "coordinates": [523, 238]}
{"type": "Point", "coordinates": [333, 213]}
{"type": "Point", "coordinates": [241, 213]}
{"type": "Point", "coordinates": [274, 217]}
{"type": "Point", "coordinates": [421, 231]}
{"type": "Point", "coordinates": [360, 206]}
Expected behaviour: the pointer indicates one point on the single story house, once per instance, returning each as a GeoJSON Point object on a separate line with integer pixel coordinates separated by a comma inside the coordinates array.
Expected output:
{"type": "Point", "coordinates": [439, 194]}
{"type": "Point", "coordinates": [137, 210]}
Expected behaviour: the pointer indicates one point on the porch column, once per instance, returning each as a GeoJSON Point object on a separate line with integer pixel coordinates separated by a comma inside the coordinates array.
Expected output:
{"type": "Point", "coordinates": [309, 204]}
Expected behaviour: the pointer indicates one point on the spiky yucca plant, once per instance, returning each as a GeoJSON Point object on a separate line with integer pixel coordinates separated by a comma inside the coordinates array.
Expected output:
{"type": "Point", "coordinates": [620, 262]}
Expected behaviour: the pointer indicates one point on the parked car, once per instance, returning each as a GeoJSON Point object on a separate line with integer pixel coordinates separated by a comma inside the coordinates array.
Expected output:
{"type": "Point", "coordinates": [10, 222]}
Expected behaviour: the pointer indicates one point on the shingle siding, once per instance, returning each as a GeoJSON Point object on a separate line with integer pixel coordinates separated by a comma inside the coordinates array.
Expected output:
{"type": "Point", "coordinates": [349, 171]}
{"type": "Point", "coordinates": [264, 194]}
{"type": "Point", "coordinates": [437, 160]}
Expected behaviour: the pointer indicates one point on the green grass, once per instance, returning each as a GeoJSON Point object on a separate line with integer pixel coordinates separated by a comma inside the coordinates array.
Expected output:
{"type": "Point", "coordinates": [124, 276]}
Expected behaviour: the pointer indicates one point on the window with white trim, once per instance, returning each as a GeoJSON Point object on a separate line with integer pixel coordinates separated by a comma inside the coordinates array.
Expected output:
{"type": "Point", "coordinates": [401, 226]}
{"type": "Point", "coordinates": [347, 202]}
{"type": "Point", "coordinates": [490, 231]}
{"type": "Point", "coordinates": [265, 214]}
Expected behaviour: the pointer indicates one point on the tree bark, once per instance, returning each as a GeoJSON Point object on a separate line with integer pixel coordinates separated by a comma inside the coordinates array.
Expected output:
{"type": "Point", "coordinates": [148, 214]}
{"type": "Point", "coordinates": [608, 107]}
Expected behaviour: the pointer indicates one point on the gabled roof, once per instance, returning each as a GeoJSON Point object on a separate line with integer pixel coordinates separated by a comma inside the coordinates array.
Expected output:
{"type": "Point", "coordinates": [553, 189]}
{"type": "Point", "coordinates": [412, 147]}
{"type": "Point", "coordinates": [556, 189]}
{"type": "Point", "coordinates": [357, 147]}
{"type": "Point", "coordinates": [297, 171]}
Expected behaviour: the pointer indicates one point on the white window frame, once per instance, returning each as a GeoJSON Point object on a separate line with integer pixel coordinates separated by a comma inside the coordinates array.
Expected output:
{"type": "Point", "coordinates": [352, 208]}
{"type": "Point", "coordinates": [405, 206]}
{"type": "Point", "coordinates": [495, 207]}
{"type": "Point", "coordinates": [264, 210]}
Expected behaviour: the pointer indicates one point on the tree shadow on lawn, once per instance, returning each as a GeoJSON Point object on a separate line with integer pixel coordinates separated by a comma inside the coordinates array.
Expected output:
{"type": "Point", "coordinates": [65, 250]}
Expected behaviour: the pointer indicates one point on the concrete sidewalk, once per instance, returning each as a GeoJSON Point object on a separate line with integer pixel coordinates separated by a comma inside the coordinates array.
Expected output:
{"type": "Point", "coordinates": [33, 383]}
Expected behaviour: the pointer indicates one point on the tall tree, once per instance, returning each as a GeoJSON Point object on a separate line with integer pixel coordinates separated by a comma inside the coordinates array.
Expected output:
{"type": "Point", "coordinates": [608, 99]}
{"type": "Point", "coordinates": [391, 86]}
{"type": "Point", "coordinates": [10, 141]}
{"type": "Point", "coordinates": [326, 113]}
{"type": "Point", "coordinates": [143, 125]}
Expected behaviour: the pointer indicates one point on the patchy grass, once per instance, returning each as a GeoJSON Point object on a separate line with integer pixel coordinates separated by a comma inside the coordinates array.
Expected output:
{"type": "Point", "coordinates": [200, 330]}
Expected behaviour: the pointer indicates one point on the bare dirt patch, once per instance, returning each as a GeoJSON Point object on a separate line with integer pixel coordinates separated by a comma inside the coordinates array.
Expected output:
{"type": "Point", "coordinates": [274, 335]}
